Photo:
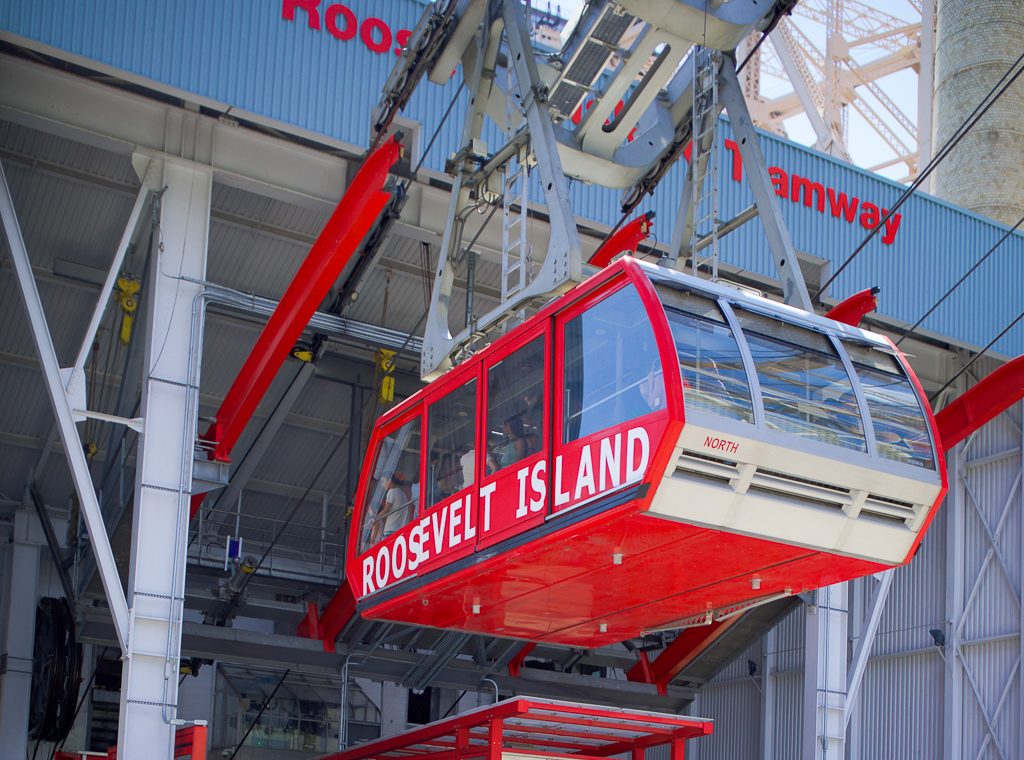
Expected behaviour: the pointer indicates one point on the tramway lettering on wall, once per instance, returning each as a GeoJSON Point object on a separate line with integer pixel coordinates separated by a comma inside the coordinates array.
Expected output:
{"type": "Point", "coordinates": [814, 194]}
{"type": "Point", "coordinates": [580, 475]}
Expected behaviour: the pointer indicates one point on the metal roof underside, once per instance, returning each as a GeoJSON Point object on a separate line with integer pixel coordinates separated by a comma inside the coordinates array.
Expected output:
{"type": "Point", "coordinates": [73, 200]}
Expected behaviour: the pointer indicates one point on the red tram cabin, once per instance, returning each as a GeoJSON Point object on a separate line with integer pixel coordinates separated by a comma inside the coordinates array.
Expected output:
{"type": "Point", "coordinates": [649, 451]}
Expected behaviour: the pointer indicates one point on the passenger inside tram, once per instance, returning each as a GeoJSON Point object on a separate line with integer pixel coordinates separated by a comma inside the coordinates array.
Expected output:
{"type": "Point", "coordinates": [515, 407]}
{"type": "Point", "coordinates": [452, 427]}
{"type": "Point", "coordinates": [394, 499]}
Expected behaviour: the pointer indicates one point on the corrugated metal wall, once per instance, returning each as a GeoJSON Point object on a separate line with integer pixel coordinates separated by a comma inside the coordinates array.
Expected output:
{"type": "Point", "coordinates": [918, 700]}
{"type": "Point", "coordinates": [246, 55]}
{"type": "Point", "coordinates": [986, 629]}
{"type": "Point", "coordinates": [966, 580]}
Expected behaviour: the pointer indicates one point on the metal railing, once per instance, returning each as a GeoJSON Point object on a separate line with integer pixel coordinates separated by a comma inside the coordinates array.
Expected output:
{"type": "Point", "coordinates": [295, 549]}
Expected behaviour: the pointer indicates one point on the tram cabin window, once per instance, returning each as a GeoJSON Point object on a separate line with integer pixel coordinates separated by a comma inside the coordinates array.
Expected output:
{"type": "Point", "coordinates": [804, 385]}
{"type": "Point", "coordinates": [515, 406]}
{"type": "Point", "coordinates": [901, 431]}
{"type": "Point", "coordinates": [612, 368]}
{"type": "Point", "coordinates": [714, 379]}
{"type": "Point", "coordinates": [393, 499]}
{"type": "Point", "coordinates": [451, 426]}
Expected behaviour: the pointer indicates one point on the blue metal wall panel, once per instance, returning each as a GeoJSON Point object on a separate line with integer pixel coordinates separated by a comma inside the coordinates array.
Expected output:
{"type": "Point", "coordinates": [243, 53]}
{"type": "Point", "coordinates": [239, 52]}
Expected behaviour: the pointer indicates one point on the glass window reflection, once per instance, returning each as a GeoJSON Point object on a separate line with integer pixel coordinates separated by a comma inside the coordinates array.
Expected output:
{"type": "Point", "coordinates": [714, 379]}
{"type": "Point", "coordinates": [395, 495]}
{"type": "Point", "coordinates": [612, 367]}
{"type": "Point", "coordinates": [804, 385]}
{"type": "Point", "coordinates": [901, 431]}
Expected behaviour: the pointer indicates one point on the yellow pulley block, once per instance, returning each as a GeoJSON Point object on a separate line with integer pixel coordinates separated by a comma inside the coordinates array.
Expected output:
{"type": "Point", "coordinates": [385, 360]}
{"type": "Point", "coordinates": [127, 296]}
{"type": "Point", "coordinates": [302, 353]}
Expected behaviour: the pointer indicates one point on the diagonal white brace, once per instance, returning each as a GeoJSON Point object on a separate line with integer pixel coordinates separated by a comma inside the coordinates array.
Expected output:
{"type": "Point", "coordinates": [863, 650]}
{"type": "Point", "coordinates": [62, 411]}
{"type": "Point", "coordinates": [112, 273]}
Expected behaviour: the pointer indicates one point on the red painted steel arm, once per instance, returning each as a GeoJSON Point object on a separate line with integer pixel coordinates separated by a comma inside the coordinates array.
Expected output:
{"type": "Point", "coordinates": [344, 231]}
{"type": "Point", "coordinates": [993, 395]}
{"type": "Point", "coordinates": [852, 310]}
{"type": "Point", "coordinates": [516, 663]}
{"type": "Point", "coordinates": [681, 652]}
{"type": "Point", "coordinates": [335, 617]}
{"type": "Point", "coordinates": [352, 219]}
{"type": "Point", "coordinates": [626, 239]}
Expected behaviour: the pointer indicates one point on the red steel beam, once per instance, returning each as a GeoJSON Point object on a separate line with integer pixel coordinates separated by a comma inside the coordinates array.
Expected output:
{"type": "Point", "coordinates": [516, 663]}
{"type": "Point", "coordinates": [989, 398]}
{"type": "Point", "coordinates": [851, 310]}
{"type": "Point", "coordinates": [353, 217]}
{"type": "Point", "coordinates": [681, 652]}
{"type": "Point", "coordinates": [335, 617]}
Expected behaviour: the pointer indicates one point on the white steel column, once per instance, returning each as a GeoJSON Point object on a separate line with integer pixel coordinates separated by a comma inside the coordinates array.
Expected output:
{"type": "Point", "coordinates": [21, 577]}
{"type": "Point", "coordinates": [824, 704]}
{"type": "Point", "coordinates": [953, 686]}
{"type": "Point", "coordinates": [769, 660]}
{"type": "Point", "coordinates": [149, 681]}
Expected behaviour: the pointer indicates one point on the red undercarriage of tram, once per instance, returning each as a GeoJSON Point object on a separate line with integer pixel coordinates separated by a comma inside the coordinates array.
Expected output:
{"type": "Point", "coordinates": [650, 451]}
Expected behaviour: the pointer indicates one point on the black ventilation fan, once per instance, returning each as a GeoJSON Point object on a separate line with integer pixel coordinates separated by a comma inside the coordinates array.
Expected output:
{"type": "Point", "coordinates": [56, 671]}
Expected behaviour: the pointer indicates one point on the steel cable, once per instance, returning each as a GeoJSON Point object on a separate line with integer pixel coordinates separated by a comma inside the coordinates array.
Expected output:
{"type": "Point", "coordinates": [959, 282]}
{"type": "Point", "coordinates": [1004, 83]}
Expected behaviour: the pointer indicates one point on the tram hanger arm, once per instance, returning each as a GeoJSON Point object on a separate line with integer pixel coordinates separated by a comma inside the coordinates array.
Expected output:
{"type": "Point", "coordinates": [626, 239]}
{"type": "Point", "coordinates": [851, 310]}
{"type": "Point", "coordinates": [986, 400]}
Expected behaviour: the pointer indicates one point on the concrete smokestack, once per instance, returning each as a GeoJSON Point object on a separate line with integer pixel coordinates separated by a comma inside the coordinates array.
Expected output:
{"type": "Point", "coordinates": [976, 43]}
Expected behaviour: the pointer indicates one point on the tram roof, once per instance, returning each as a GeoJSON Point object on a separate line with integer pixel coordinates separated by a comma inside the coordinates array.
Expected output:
{"type": "Point", "coordinates": [668, 278]}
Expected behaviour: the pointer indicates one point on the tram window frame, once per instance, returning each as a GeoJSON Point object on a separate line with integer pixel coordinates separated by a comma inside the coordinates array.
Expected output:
{"type": "Point", "coordinates": [891, 442]}
{"type": "Point", "coordinates": [451, 463]}
{"type": "Point", "coordinates": [516, 427]}
{"type": "Point", "coordinates": [815, 420]}
{"type": "Point", "coordinates": [633, 397]}
{"type": "Point", "coordinates": [702, 315]}
{"type": "Point", "coordinates": [375, 497]}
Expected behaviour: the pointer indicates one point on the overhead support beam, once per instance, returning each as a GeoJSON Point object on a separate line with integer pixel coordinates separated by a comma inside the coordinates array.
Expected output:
{"type": "Point", "coordinates": [331, 325]}
{"type": "Point", "coordinates": [61, 103]}
{"type": "Point", "coordinates": [65, 418]}
{"type": "Point", "coordinates": [387, 664]}
{"type": "Point", "coordinates": [794, 288]}
{"type": "Point", "coordinates": [345, 230]}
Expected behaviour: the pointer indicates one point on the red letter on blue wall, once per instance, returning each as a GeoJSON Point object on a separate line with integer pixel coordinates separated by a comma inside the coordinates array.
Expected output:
{"type": "Point", "coordinates": [309, 6]}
